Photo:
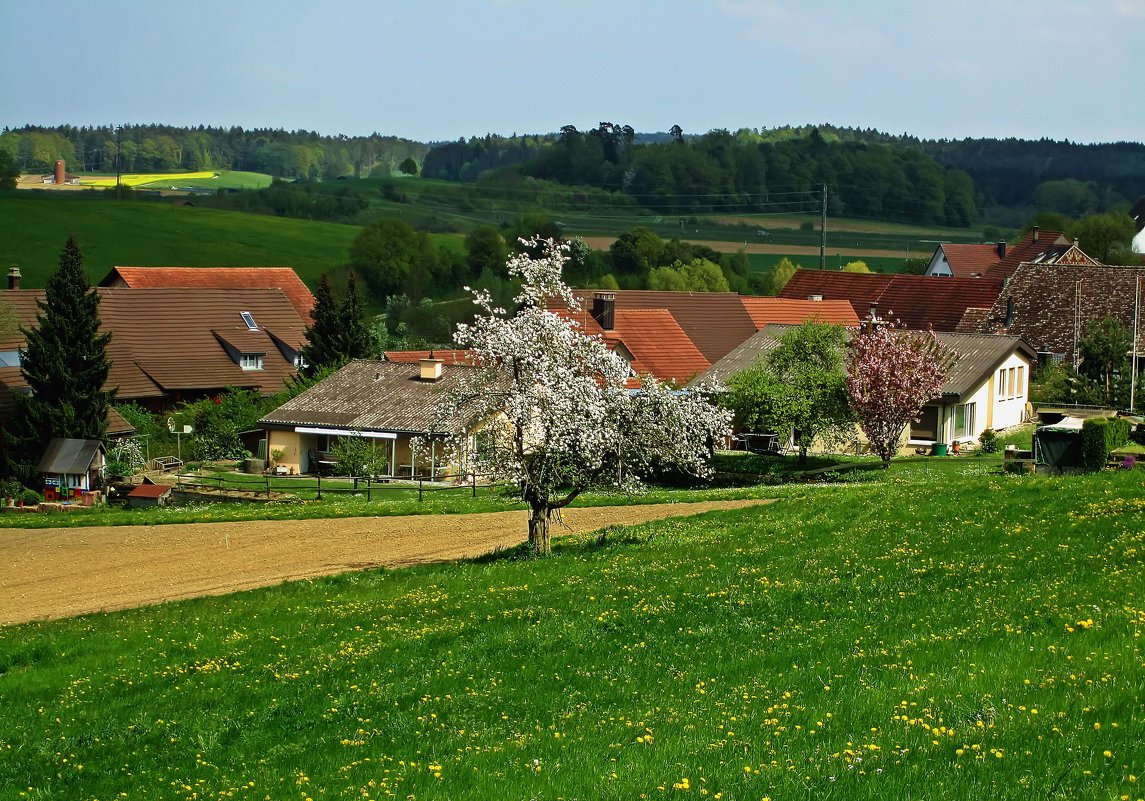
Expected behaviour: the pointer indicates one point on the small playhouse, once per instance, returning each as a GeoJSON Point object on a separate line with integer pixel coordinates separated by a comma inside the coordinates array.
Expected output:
{"type": "Point", "coordinates": [72, 468]}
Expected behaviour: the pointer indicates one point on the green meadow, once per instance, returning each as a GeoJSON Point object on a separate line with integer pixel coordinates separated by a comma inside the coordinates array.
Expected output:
{"type": "Point", "coordinates": [34, 229]}
{"type": "Point", "coordinates": [922, 634]}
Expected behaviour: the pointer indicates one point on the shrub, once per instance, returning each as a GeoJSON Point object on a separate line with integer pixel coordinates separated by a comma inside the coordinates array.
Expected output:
{"type": "Point", "coordinates": [10, 488]}
{"type": "Point", "coordinates": [1138, 434]}
{"type": "Point", "coordinates": [1129, 462]}
{"type": "Point", "coordinates": [29, 496]}
{"type": "Point", "coordinates": [988, 441]}
{"type": "Point", "coordinates": [1101, 436]}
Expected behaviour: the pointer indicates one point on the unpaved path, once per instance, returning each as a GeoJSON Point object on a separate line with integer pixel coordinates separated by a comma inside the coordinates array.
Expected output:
{"type": "Point", "coordinates": [59, 572]}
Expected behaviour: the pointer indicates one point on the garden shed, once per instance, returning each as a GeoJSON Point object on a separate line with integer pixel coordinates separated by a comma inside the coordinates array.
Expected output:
{"type": "Point", "coordinates": [71, 467]}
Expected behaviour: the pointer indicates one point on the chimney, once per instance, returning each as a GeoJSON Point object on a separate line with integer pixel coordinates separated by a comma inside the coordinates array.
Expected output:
{"type": "Point", "coordinates": [1001, 250]}
{"type": "Point", "coordinates": [1035, 234]}
{"type": "Point", "coordinates": [60, 172]}
{"type": "Point", "coordinates": [431, 367]}
{"type": "Point", "coordinates": [1009, 312]}
{"type": "Point", "coordinates": [13, 278]}
{"type": "Point", "coordinates": [604, 309]}
{"type": "Point", "coordinates": [816, 298]}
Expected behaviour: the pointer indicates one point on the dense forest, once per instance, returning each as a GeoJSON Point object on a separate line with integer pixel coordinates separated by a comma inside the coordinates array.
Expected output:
{"type": "Point", "coordinates": [868, 173]}
{"type": "Point", "coordinates": [159, 148]}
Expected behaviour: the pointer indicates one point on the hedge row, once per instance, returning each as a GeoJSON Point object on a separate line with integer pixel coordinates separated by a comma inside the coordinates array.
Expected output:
{"type": "Point", "coordinates": [1099, 437]}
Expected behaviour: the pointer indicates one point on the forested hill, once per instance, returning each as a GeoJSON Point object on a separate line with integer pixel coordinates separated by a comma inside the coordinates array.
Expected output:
{"type": "Point", "coordinates": [870, 173]}
{"type": "Point", "coordinates": [158, 148]}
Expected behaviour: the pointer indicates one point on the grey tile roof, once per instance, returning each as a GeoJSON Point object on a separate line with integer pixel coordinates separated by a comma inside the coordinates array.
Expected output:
{"type": "Point", "coordinates": [976, 357]}
{"type": "Point", "coordinates": [368, 395]}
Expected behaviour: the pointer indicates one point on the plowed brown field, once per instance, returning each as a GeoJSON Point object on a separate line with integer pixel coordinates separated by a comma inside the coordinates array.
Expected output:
{"type": "Point", "coordinates": [59, 572]}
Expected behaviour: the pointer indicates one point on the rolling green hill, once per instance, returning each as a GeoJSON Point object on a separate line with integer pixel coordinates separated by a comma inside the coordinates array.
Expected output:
{"type": "Point", "coordinates": [33, 229]}
{"type": "Point", "coordinates": [953, 636]}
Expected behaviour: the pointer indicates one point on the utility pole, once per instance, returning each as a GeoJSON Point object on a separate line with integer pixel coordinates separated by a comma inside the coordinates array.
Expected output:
{"type": "Point", "coordinates": [823, 231]}
{"type": "Point", "coordinates": [1133, 350]}
{"type": "Point", "coordinates": [118, 194]}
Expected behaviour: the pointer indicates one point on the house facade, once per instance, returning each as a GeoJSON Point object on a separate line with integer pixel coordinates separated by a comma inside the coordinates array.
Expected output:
{"type": "Point", "coordinates": [987, 385]}
{"type": "Point", "coordinates": [388, 403]}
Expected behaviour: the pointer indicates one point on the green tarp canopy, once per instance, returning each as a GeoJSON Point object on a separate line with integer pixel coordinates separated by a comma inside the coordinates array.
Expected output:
{"type": "Point", "coordinates": [1059, 445]}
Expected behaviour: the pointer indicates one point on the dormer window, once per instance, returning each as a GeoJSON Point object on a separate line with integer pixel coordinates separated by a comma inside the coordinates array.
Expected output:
{"type": "Point", "coordinates": [9, 358]}
{"type": "Point", "coordinates": [251, 361]}
{"type": "Point", "coordinates": [250, 323]}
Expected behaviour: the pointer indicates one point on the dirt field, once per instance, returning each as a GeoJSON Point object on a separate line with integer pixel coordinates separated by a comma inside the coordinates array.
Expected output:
{"type": "Point", "coordinates": [603, 243]}
{"type": "Point", "coordinates": [59, 572]}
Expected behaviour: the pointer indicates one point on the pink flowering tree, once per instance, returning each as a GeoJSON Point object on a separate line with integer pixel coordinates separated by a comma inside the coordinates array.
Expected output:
{"type": "Point", "coordinates": [552, 408]}
{"type": "Point", "coordinates": [891, 374]}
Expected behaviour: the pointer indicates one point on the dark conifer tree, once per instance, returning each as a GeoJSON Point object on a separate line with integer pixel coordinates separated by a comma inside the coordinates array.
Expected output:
{"type": "Point", "coordinates": [65, 364]}
{"type": "Point", "coordinates": [323, 347]}
{"type": "Point", "coordinates": [357, 341]}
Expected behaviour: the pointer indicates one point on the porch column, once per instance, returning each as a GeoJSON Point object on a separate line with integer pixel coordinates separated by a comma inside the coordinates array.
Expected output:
{"type": "Point", "coordinates": [393, 457]}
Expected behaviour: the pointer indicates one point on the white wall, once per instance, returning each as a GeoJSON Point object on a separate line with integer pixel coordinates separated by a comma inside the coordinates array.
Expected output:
{"type": "Point", "coordinates": [991, 409]}
{"type": "Point", "coordinates": [938, 264]}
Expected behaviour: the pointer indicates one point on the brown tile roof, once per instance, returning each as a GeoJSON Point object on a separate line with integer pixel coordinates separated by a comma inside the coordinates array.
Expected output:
{"type": "Point", "coordinates": [167, 341]}
{"type": "Point", "coordinates": [368, 395]}
{"type": "Point", "coordinates": [1039, 247]}
{"type": "Point", "coordinates": [793, 311]}
{"type": "Point", "coordinates": [916, 301]}
{"type": "Point", "coordinates": [976, 357]}
{"type": "Point", "coordinates": [715, 321]}
{"type": "Point", "coordinates": [150, 491]}
{"type": "Point", "coordinates": [283, 278]}
{"type": "Point", "coordinates": [1047, 298]}
{"type": "Point", "coordinates": [969, 261]}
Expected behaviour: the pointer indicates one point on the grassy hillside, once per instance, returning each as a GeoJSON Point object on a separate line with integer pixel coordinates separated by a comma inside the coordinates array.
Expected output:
{"type": "Point", "coordinates": [978, 636]}
{"type": "Point", "coordinates": [34, 228]}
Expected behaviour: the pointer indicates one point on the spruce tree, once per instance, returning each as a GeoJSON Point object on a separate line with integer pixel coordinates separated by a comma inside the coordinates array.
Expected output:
{"type": "Point", "coordinates": [65, 364]}
{"type": "Point", "coordinates": [324, 335]}
{"type": "Point", "coordinates": [357, 341]}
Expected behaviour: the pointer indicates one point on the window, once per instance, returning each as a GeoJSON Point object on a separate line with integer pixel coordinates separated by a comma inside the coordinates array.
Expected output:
{"type": "Point", "coordinates": [251, 361]}
{"type": "Point", "coordinates": [300, 362]}
{"type": "Point", "coordinates": [1001, 384]}
{"type": "Point", "coordinates": [964, 421]}
{"type": "Point", "coordinates": [249, 320]}
{"type": "Point", "coordinates": [9, 358]}
{"type": "Point", "coordinates": [1021, 389]}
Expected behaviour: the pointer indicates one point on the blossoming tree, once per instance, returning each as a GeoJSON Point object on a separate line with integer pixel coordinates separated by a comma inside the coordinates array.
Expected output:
{"type": "Point", "coordinates": [891, 374]}
{"type": "Point", "coordinates": [554, 413]}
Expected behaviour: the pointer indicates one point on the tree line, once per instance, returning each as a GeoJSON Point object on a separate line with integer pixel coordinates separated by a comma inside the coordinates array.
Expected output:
{"type": "Point", "coordinates": [297, 154]}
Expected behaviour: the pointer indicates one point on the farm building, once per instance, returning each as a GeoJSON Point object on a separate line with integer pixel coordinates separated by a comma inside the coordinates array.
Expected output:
{"type": "Point", "coordinates": [149, 494]}
{"type": "Point", "coordinates": [387, 402]}
{"type": "Point", "coordinates": [283, 278]}
{"type": "Point", "coordinates": [175, 344]}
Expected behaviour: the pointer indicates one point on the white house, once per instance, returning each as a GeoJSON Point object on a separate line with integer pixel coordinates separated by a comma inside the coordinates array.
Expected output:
{"type": "Point", "coordinates": [987, 387]}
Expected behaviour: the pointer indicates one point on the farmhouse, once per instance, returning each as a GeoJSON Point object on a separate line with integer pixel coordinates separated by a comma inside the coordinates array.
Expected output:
{"type": "Point", "coordinates": [915, 301]}
{"type": "Point", "coordinates": [986, 387]}
{"type": "Point", "coordinates": [1050, 305]}
{"type": "Point", "coordinates": [283, 278]}
{"type": "Point", "coordinates": [387, 402]}
{"type": "Point", "coordinates": [176, 344]}
{"type": "Point", "coordinates": [998, 262]}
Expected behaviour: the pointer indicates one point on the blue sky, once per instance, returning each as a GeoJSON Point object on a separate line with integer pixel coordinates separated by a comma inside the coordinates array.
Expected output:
{"type": "Point", "coordinates": [440, 69]}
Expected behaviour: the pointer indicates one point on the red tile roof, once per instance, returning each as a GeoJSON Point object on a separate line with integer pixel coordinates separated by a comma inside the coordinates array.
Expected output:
{"type": "Point", "coordinates": [150, 491]}
{"type": "Point", "coordinates": [916, 301]}
{"type": "Point", "coordinates": [969, 261]}
{"type": "Point", "coordinates": [283, 278]}
{"type": "Point", "coordinates": [715, 321]}
{"type": "Point", "coordinates": [791, 311]}
{"type": "Point", "coordinates": [1038, 247]}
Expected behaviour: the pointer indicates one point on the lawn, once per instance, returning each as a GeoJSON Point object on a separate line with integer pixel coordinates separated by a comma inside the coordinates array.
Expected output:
{"type": "Point", "coordinates": [925, 636]}
{"type": "Point", "coordinates": [35, 228]}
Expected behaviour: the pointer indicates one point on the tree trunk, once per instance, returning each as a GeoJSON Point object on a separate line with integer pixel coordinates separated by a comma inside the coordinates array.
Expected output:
{"type": "Point", "coordinates": [539, 530]}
